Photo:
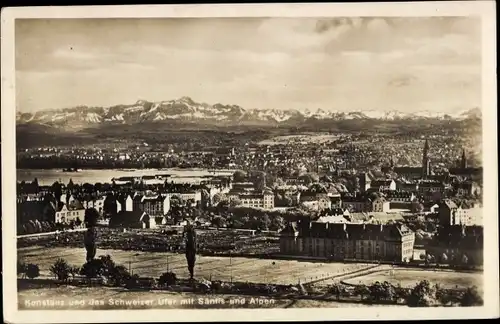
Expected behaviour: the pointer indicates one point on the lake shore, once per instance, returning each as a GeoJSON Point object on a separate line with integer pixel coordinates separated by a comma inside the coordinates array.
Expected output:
{"type": "Point", "coordinates": [49, 176]}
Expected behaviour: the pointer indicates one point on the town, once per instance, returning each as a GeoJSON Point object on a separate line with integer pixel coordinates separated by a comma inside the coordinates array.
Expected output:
{"type": "Point", "coordinates": [423, 216]}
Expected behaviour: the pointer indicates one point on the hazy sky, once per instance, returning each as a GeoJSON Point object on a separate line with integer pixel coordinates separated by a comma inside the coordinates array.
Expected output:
{"type": "Point", "coordinates": [406, 64]}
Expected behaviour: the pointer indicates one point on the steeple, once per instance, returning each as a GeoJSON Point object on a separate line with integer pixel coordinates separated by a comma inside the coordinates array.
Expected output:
{"type": "Point", "coordinates": [463, 162]}
{"type": "Point", "coordinates": [425, 160]}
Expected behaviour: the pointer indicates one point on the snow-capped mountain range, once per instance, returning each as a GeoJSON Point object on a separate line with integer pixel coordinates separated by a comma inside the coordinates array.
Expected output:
{"type": "Point", "coordinates": [186, 109]}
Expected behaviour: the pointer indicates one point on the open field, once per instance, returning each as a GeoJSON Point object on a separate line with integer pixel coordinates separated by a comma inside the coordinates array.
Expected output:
{"type": "Point", "coordinates": [407, 277]}
{"type": "Point", "coordinates": [152, 264]}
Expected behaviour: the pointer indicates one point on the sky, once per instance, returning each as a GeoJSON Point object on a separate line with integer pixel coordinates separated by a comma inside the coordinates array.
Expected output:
{"type": "Point", "coordinates": [336, 64]}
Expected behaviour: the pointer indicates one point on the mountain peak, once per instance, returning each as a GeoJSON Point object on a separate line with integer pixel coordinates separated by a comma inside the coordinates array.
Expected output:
{"type": "Point", "coordinates": [188, 110]}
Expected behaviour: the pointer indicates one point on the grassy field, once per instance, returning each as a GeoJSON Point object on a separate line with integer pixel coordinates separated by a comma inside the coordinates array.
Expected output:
{"type": "Point", "coordinates": [405, 277]}
{"type": "Point", "coordinates": [152, 264]}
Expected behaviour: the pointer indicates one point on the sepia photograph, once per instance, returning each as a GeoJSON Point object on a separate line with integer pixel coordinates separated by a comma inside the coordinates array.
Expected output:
{"type": "Point", "coordinates": [226, 160]}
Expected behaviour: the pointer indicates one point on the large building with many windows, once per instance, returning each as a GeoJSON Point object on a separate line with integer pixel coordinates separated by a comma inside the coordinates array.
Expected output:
{"type": "Point", "coordinates": [254, 199]}
{"type": "Point", "coordinates": [348, 241]}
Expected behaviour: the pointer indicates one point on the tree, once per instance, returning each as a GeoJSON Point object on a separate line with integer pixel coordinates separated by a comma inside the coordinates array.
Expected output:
{"type": "Point", "coordinates": [218, 221]}
{"type": "Point", "coordinates": [279, 182]}
{"type": "Point", "coordinates": [431, 227]}
{"type": "Point", "coordinates": [376, 291]}
{"type": "Point", "coordinates": [176, 202]}
{"type": "Point", "coordinates": [471, 297]}
{"type": "Point", "coordinates": [335, 289]}
{"type": "Point", "coordinates": [38, 226]}
{"type": "Point", "coordinates": [258, 178]}
{"type": "Point", "coordinates": [190, 202]}
{"type": "Point", "coordinates": [265, 222]}
{"type": "Point", "coordinates": [70, 185]}
{"type": "Point", "coordinates": [416, 207]}
{"type": "Point", "coordinates": [32, 271]}
{"type": "Point", "coordinates": [167, 279]}
{"type": "Point", "coordinates": [191, 246]}
{"type": "Point", "coordinates": [309, 178]}
{"type": "Point", "coordinates": [118, 275]}
{"type": "Point", "coordinates": [132, 282]}
{"type": "Point", "coordinates": [465, 260]}
{"type": "Point", "coordinates": [90, 243]}
{"type": "Point", "coordinates": [235, 202]}
{"type": "Point", "coordinates": [217, 198]}
{"type": "Point", "coordinates": [21, 268]}
{"type": "Point", "coordinates": [78, 222]}
{"type": "Point", "coordinates": [430, 258]}
{"type": "Point", "coordinates": [108, 265]}
{"type": "Point", "coordinates": [60, 269]}
{"type": "Point", "coordinates": [444, 258]}
{"type": "Point", "coordinates": [239, 176]}
{"type": "Point", "coordinates": [277, 223]}
{"type": "Point", "coordinates": [401, 293]}
{"type": "Point", "coordinates": [29, 228]}
{"type": "Point", "coordinates": [389, 292]}
{"type": "Point", "coordinates": [362, 291]}
{"type": "Point", "coordinates": [92, 268]}
{"type": "Point", "coordinates": [91, 217]}
{"type": "Point", "coordinates": [46, 227]}
{"type": "Point", "coordinates": [422, 295]}
{"type": "Point", "coordinates": [56, 188]}
{"type": "Point", "coordinates": [73, 271]}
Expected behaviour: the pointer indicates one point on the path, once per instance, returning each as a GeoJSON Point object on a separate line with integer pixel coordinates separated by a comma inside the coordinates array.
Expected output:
{"type": "Point", "coordinates": [52, 233]}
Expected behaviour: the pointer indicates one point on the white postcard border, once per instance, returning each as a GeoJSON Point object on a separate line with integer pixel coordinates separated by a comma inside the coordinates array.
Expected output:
{"type": "Point", "coordinates": [485, 9]}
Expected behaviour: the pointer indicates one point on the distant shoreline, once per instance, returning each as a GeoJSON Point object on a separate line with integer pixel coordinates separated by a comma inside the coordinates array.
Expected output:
{"type": "Point", "coordinates": [125, 169]}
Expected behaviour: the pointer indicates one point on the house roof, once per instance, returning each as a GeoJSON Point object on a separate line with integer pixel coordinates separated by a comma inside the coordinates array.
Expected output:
{"type": "Point", "coordinates": [449, 203]}
{"type": "Point", "coordinates": [349, 199]}
{"type": "Point", "coordinates": [375, 216]}
{"type": "Point", "coordinates": [381, 183]}
{"type": "Point", "coordinates": [464, 185]}
{"type": "Point", "coordinates": [138, 198]}
{"type": "Point", "coordinates": [128, 217]}
{"type": "Point", "coordinates": [75, 205]}
{"type": "Point", "coordinates": [465, 171]}
{"type": "Point", "coordinates": [397, 194]}
{"type": "Point", "coordinates": [154, 198]}
{"type": "Point", "coordinates": [290, 229]}
{"type": "Point", "coordinates": [354, 231]}
{"type": "Point", "coordinates": [412, 170]}
{"type": "Point", "coordinates": [431, 184]}
{"type": "Point", "coordinates": [224, 150]}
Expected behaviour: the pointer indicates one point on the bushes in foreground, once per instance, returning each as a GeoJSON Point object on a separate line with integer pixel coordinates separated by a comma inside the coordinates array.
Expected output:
{"type": "Point", "coordinates": [167, 279]}
{"type": "Point", "coordinates": [32, 271]}
{"type": "Point", "coordinates": [422, 294]}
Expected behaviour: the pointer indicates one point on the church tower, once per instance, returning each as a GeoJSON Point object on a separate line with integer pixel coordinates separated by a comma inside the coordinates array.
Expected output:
{"type": "Point", "coordinates": [426, 166]}
{"type": "Point", "coordinates": [463, 161]}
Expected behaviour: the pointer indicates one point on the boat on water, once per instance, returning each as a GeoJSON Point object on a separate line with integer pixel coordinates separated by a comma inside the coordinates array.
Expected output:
{"type": "Point", "coordinates": [71, 170]}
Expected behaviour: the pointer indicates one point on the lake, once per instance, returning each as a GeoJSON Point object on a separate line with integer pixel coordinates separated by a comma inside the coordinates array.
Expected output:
{"type": "Point", "coordinates": [49, 176]}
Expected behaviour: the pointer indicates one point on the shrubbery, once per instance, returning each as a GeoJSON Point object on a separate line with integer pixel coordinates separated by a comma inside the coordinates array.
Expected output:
{"type": "Point", "coordinates": [61, 269]}
{"type": "Point", "coordinates": [422, 295]}
{"type": "Point", "coordinates": [132, 282]}
{"type": "Point", "coordinates": [32, 271]}
{"type": "Point", "coordinates": [21, 268]}
{"type": "Point", "coordinates": [167, 279]}
{"type": "Point", "coordinates": [471, 297]}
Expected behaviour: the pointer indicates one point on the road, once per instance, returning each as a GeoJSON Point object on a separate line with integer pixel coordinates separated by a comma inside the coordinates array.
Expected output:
{"type": "Point", "coordinates": [52, 233]}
